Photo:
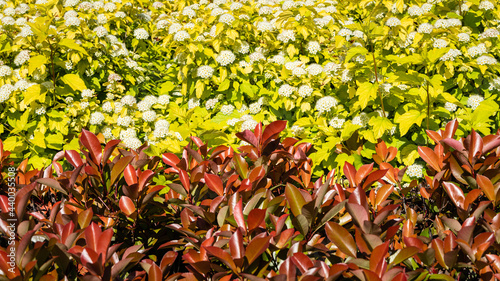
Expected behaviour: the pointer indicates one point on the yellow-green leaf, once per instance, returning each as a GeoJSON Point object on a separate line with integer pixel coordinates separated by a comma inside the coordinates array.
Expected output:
{"type": "Point", "coordinates": [366, 92]}
{"type": "Point", "coordinates": [74, 81]}
{"type": "Point", "coordinates": [35, 63]}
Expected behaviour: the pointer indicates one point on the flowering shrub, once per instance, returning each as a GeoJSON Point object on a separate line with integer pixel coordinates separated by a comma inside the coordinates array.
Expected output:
{"type": "Point", "coordinates": [256, 213]}
{"type": "Point", "coordinates": [343, 73]}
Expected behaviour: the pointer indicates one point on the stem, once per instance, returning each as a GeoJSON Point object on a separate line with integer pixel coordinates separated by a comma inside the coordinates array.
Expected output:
{"type": "Point", "coordinates": [376, 80]}
{"type": "Point", "coordinates": [428, 104]}
{"type": "Point", "coordinates": [52, 67]}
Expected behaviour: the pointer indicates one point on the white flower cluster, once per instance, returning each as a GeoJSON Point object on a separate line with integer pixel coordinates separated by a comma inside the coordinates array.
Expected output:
{"type": "Point", "coordinates": [474, 101]}
{"type": "Point", "coordinates": [5, 92]}
{"type": "Point", "coordinates": [361, 120]}
{"type": "Point", "coordinates": [205, 71]}
{"type": "Point", "coordinates": [141, 34]}
{"type": "Point", "coordinates": [286, 90]}
{"type": "Point", "coordinates": [486, 60]}
{"type": "Point", "coordinates": [336, 122]}
{"type": "Point", "coordinates": [225, 58]}
{"type": "Point", "coordinates": [325, 104]}
{"type": "Point", "coordinates": [392, 22]}
{"type": "Point", "coordinates": [96, 118]}
{"type": "Point", "coordinates": [415, 171]}
{"type": "Point", "coordinates": [451, 55]}
{"type": "Point", "coordinates": [477, 50]}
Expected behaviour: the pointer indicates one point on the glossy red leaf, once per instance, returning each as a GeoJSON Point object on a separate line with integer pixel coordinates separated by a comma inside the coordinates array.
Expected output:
{"type": "Point", "coordinates": [341, 238]}
{"type": "Point", "coordinates": [373, 177]}
{"type": "Point", "coordinates": [454, 144]}
{"type": "Point", "coordinates": [438, 246]}
{"type": "Point", "coordinates": [144, 178]}
{"type": "Point", "coordinates": [302, 262]}
{"type": "Point", "coordinates": [130, 175]}
{"type": "Point", "coordinates": [350, 173]}
{"type": "Point", "coordinates": [183, 175]}
{"type": "Point", "coordinates": [240, 165]}
{"type": "Point", "coordinates": [73, 157]}
{"type": "Point", "coordinates": [377, 259]}
{"type": "Point", "coordinates": [197, 141]}
{"type": "Point", "coordinates": [238, 215]}
{"type": "Point", "coordinates": [119, 167]}
{"type": "Point", "coordinates": [249, 137]}
{"type": "Point", "coordinates": [272, 130]}
{"type": "Point", "coordinates": [170, 159]}
{"type": "Point", "coordinates": [359, 214]}
{"type": "Point", "coordinates": [236, 245]}
{"type": "Point", "coordinates": [362, 173]}
{"type": "Point", "coordinates": [475, 147]}
{"type": "Point", "coordinates": [127, 205]}
{"type": "Point", "coordinates": [404, 254]}
{"type": "Point", "coordinates": [430, 157]}
{"type": "Point", "coordinates": [456, 194]}
{"type": "Point", "coordinates": [255, 218]}
{"type": "Point", "coordinates": [256, 247]}
{"type": "Point", "coordinates": [108, 150]}
{"type": "Point", "coordinates": [52, 183]}
{"type": "Point", "coordinates": [91, 142]}
{"type": "Point", "coordinates": [223, 256]}
{"type": "Point", "coordinates": [154, 273]}
{"type": "Point", "coordinates": [487, 187]}
{"type": "Point", "coordinates": [214, 183]}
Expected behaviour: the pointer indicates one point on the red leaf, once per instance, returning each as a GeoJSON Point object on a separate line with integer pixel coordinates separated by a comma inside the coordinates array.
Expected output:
{"type": "Point", "coordinates": [238, 215]}
{"type": "Point", "coordinates": [362, 173]}
{"type": "Point", "coordinates": [154, 273]}
{"type": "Point", "coordinates": [490, 142]}
{"type": "Point", "coordinates": [236, 245]}
{"type": "Point", "coordinates": [358, 213]}
{"type": "Point", "coordinates": [487, 187]}
{"type": "Point", "coordinates": [118, 168]}
{"type": "Point", "coordinates": [373, 177]}
{"type": "Point", "coordinates": [438, 246]}
{"type": "Point", "coordinates": [255, 218]}
{"type": "Point", "coordinates": [214, 183]}
{"type": "Point", "coordinates": [223, 256]}
{"type": "Point", "coordinates": [92, 234]}
{"type": "Point", "coordinates": [73, 158]}
{"type": "Point", "coordinates": [197, 141]}
{"type": "Point", "coordinates": [183, 175]}
{"type": "Point", "coordinates": [127, 205]}
{"type": "Point", "coordinates": [475, 147]}
{"type": "Point", "coordinates": [130, 175]}
{"type": "Point", "coordinates": [249, 137]}
{"type": "Point", "coordinates": [171, 159]}
{"type": "Point", "coordinates": [108, 150]}
{"type": "Point", "coordinates": [430, 157]}
{"type": "Point", "coordinates": [144, 178]}
{"type": "Point", "coordinates": [272, 130]}
{"type": "Point", "coordinates": [302, 261]}
{"type": "Point", "coordinates": [350, 173]}
{"type": "Point", "coordinates": [91, 142]}
{"type": "Point", "coordinates": [341, 238]}
{"type": "Point", "coordinates": [377, 260]}
{"type": "Point", "coordinates": [294, 198]}
{"type": "Point", "coordinates": [454, 144]}
{"type": "Point", "coordinates": [450, 129]}
{"type": "Point", "coordinates": [456, 194]}
{"type": "Point", "coordinates": [241, 165]}
{"type": "Point", "coordinates": [256, 247]}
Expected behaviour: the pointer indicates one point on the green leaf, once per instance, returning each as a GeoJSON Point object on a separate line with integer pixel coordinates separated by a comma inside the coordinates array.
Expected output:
{"type": "Point", "coordinates": [166, 87]}
{"type": "Point", "coordinates": [354, 52]}
{"type": "Point", "coordinates": [224, 85]}
{"type": "Point", "coordinates": [71, 44]}
{"type": "Point", "coordinates": [409, 154]}
{"type": "Point", "coordinates": [32, 94]}
{"type": "Point", "coordinates": [35, 63]}
{"type": "Point", "coordinates": [366, 92]}
{"type": "Point", "coordinates": [74, 81]}
{"type": "Point", "coordinates": [406, 120]}
{"type": "Point", "coordinates": [246, 88]}
{"type": "Point", "coordinates": [379, 126]}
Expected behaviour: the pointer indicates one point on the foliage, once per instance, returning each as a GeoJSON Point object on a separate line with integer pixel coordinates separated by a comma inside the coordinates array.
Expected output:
{"type": "Point", "coordinates": [344, 74]}
{"type": "Point", "coordinates": [256, 212]}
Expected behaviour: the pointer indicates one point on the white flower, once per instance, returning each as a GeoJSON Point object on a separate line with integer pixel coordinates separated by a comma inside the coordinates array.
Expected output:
{"type": "Point", "coordinates": [392, 22]}
{"type": "Point", "coordinates": [244, 47]}
{"type": "Point", "coordinates": [415, 171]}
{"type": "Point", "coordinates": [205, 71]}
{"type": "Point", "coordinates": [325, 104]}
{"type": "Point", "coordinates": [361, 119]}
{"type": "Point", "coordinates": [297, 130]}
{"type": "Point", "coordinates": [162, 123]}
{"type": "Point", "coordinates": [305, 91]}
{"type": "Point", "coordinates": [5, 91]}
{"type": "Point", "coordinates": [463, 37]}
{"type": "Point", "coordinates": [486, 5]}
{"type": "Point", "coordinates": [193, 102]}
{"type": "Point", "coordinates": [107, 133]}
{"type": "Point", "coordinates": [358, 34]}
{"type": "Point", "coordinates": [87, 93]}
{"type": "Point", "coordinates": [182, 35]}
{"type": "Point", "coordinates": [100, 31]}
{"type": "Point", "coordinates": [477, 50]}
{"type": "Point", "coordinates": [345, 32]}
{"type": "Point", "coordinates": [256, 56]}
{"type": "Point", "coordinates": [474, 101]}
{"type": "Point", "coordinates": [346, 76]}
{"type": "Point", "coordinates": [5, 70]}
{"type": "Point", "coordinates": [149, 115]}
{"type": "Point", "coordinates": [178, 136]}
{"type": "Point", "coordinates": [415, 11]}
{"type": "Point", "coordinates": [107, 107]}
{"type": "Point", "coordinates": [141, 33]}
{"type": "Point", "coordinates": [22, 85]}
{"type": "Point", "coordinates": [489, 33]}
{"type": "Point", "coordinates": [286, 35]}
{"type": "Point", "coordinates": [249, 125]}
{"type": "Point", "coordinates": [336, 122]}
{"type": "Point", "coordinates": [129, 100]}
{"type": "Point", "coordinates": [132, 142]}
{"type": "Point", "coordinates": [425, 28]}
{"type": "Point", "coordinates": [227, 109]}
{"type": "Point", "coordinates": [226, 18]}
{"type": "Point", "coordinates": [22, 57]}
{"type": "Point", "coordinates": [72, 21]}
{"type": "Point", "coordinates": [451, 55]}
{"type": "Point", "coordinates": [120, 14]}
{"type": "Point", "coordinates": [211, 103]}
{"type": "Point", "coordinates": [451, 107]}
{"type": "Point", "coordinates": [41, 110]}
{"type": "Point", "coordinates": [124, 121]}
{"type": "Point", "coordinates": [71, 3]}
{"type": "Point", "coordinates": [426, 7]}
{"type": "Point", "coordinates": [314, 69]}
{"type": "Point", "coordinates": [188, 12]}
{"type": "Point", "coordinates": [454, 23]}
{"type": "Point", "coordinates": [286, 90]}
{"type": "Point", "coordinates": [486, 60]}
{"type": "Point", "coordinates": [233, 121]}
{"type": "Point", "coordinates": [313, 47]}
{"type": "Point", "coordinates": [440, 43]}
{"type": "Point", "coordinates": [164, 99]}
{"type": "Point", "coordinates": [102, 19]}
{"type": "Point", "coordinates": [8, 21]}
{"type": "Point", "coordinates": [174, 28]}
{"type": "Point", "coordinates": [225, 58]}
{"type": "Point", "coordinates": [96, 118]}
